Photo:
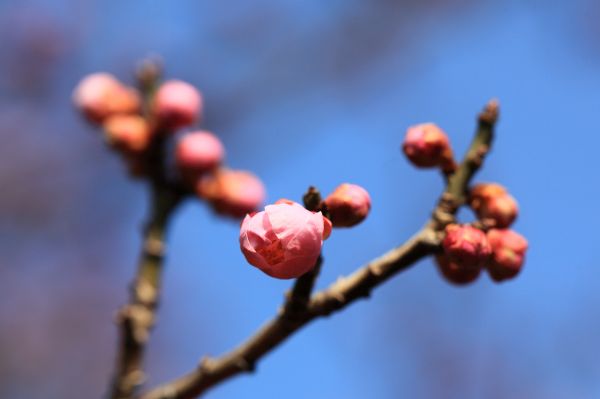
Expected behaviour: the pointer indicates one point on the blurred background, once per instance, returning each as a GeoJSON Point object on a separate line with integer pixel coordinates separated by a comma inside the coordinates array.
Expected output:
{"type": "Point", "coordinates": [305, 92]}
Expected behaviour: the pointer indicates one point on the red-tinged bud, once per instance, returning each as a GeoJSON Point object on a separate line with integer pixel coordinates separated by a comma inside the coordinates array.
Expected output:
{"type": "Point", "coordinates": [427, 146]}
{"type": "Point", "coordinates": [348, 205]}
{"type": "Point", "coordinates": [483, 192]}
{"type": "Point", "coordinates": [327, 226]}
{"type": "Point", "coordinates": [128, 133]}
{"type": "Point", "coordinates": [466, 246]}
{"type": "Point", "coordinates": [126, 100]}
{"type": "Point", "coordinates": [198, 152]}
{"type": "Point", "coordinates": [493, 205]}
{"type": "Point", "coordinates": [232, 192]}
{"type": "Point", "coordinates": [101, 95]}
{"type": "Point", "coordinates": [176, 104]}
{"type": "Point", "coordinates": [500, 211]}
{"type": "Point", "coordinates": [455, 272]}
{"type": "Point", "coordinates": [508, 253]}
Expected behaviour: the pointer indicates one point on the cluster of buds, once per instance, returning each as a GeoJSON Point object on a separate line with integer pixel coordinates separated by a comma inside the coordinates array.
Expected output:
{"type": "Point", "coordinates": [467, 250]}
{"type": "Point", "coordinates": [494, 246]}
{"type": "Point", "coordinates": [168, 108]}
{"type": "Point", "coordinates": [285, 240]}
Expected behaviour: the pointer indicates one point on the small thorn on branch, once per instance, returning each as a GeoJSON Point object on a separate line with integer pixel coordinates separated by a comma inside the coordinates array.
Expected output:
{"type": "Point", "coordinates": [205, 364]}
{"type": "Point", "coordinates": [375, 272]}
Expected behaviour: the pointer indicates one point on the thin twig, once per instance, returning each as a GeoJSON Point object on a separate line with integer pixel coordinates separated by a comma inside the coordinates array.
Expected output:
{"type": "Point", "coordinates": [346, 290]}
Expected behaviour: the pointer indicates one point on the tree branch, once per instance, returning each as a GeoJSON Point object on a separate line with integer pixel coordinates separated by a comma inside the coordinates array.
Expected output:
{"type": "Point", "coordinates": [347, 289]}
{"type": "Point", "coordinates": [458, 183]}
{"type": "Point", "coordinates": [136, 319]}
{"type": "Point", "coordinates": [297, 298]}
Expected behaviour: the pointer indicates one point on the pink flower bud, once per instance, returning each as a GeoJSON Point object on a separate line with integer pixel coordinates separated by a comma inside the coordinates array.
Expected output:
{"type": "Point", "coordinates": [508, 253]}
{"type": "Point", "coordinates": [232, 192]}
{"type": "Point", "coordinates": [101, 95]}
{"type": "Point", "coordinates": [493, 205]}
{"type": "Point", "coordinates": [284, 240]}
{"type": "Point", "coordinates": [128, 133]}
{"type": "Point", "coordinates": [427, 146]}
{"type": "Point", "coordinates": [348, 205]}
{"type": "Point", "coordinates": [176, 104]}
{"type": "Point", "coordinates": [327, 226]}
{"type": "Point", "coordinates": [466, 246]}
{"type": "Point", "coordinates": [455, 272]}
{"type": "Point", "coordinates": [198, 152]}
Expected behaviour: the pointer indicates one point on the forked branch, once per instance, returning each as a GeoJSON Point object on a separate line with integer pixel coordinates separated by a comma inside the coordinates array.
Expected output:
{"type": "Point", "coordinates": [345, 290]}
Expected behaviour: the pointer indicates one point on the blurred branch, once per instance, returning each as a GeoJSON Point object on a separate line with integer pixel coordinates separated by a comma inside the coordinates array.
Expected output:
{"type": "Point", "coordinates": [136, 319]}
{"type": "Point", "coordinates": [347, 289]}
{"type": "Point", "coordinates": [480, 146]}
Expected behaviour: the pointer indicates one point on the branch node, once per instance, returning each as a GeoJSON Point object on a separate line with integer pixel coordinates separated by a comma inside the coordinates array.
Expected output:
{"type": "Point", "coordinates": [244, 365]}
{"type": "Point", "coordinates": [135, 378]}
{"type": "Point", "coordinates": [476, 157]}
{"type": "Point", "coordinates": [146, 293]}
{"type": "Point", "coordinates": [374, 271]}
{"type": "Point", "coordinates": [490, 112]}
{"type": "Point", "coordinates": [205, 364]}
{"type": "Point", "coordinates": [154, 247]}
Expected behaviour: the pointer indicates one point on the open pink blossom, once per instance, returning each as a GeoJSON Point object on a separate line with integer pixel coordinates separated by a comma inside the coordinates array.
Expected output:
{"type": "Point", "coordinates": [284, 240]}
{"type": "Point", "coordinates": [177, 104]}
{"type": "Point", "coordinates": [198, 152]}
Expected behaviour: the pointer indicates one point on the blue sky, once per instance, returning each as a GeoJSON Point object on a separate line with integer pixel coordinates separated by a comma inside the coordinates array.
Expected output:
{"type": "Point", "coordinates": [307, 93]}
